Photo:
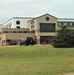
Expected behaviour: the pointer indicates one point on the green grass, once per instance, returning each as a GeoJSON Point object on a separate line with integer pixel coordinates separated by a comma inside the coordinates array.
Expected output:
{"type": "Point", "coordinates": [36, 60]}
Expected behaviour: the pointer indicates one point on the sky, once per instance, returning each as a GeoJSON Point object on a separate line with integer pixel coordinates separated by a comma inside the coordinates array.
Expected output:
{"type": "Point", "coordinates": [35, 8]}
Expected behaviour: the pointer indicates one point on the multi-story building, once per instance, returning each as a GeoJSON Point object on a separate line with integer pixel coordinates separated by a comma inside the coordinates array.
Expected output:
{"type": "Point", "coordinates": [17, 22]}
{"type": "Point", "coordinates": [41, 28]}
{"type": "Point", "coordinates": [45, 26]}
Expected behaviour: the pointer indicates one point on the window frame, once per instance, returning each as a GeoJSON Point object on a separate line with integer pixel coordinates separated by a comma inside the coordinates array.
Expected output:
{"type": "Point", "coordinates": [18, 22]}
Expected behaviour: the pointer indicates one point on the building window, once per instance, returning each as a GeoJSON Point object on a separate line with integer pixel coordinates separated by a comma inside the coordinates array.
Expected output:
{"type": "Point", "coordinates": [70, 24]}
{"type": "Point", "coordinates": [14, 31]}
{"type": "Point", "coordinates": [66, 24]}
{"type": "Point", "coordinates": [5, 31]}
{"type": "Point", "coordinates": [20, 31]}
{"type": "Point", "coordinates": [33, 31]}
{"type": "Point", "coordinates": [18, 22]}
{"type": "Point", "coordinates": [31, 27]}
{"type": "Point", "coordinates": [73, 24]}
{"type": "Point", "coordinates": [32, 22]}
{"type": "Point", "coordinates": [47, 27]}
{"type": "Point", "coordinates": [47, 18]}
{"type": "Point", "coordinates": [25, 31]}
{"type": "Point", "coordinates": [18, 27]}
{"type": "Point", "coordinates": [60, 24]}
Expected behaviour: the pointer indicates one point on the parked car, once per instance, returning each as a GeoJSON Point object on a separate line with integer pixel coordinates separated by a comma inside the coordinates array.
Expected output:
{"type": "Point", "coordinates": [27, 41]}
{"type": "Point", "coordinates": [22, 41]}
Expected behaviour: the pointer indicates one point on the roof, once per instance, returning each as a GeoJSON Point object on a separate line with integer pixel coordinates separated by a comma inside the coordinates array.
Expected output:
{"type": "Point", "coordinates": [18, 18]}
{"type": "Point", "coordinates": [65, 20]}
{"type": "Point", "coordinates": [42, 16]}
{"type": "Point", "coordinates": [23, 17]}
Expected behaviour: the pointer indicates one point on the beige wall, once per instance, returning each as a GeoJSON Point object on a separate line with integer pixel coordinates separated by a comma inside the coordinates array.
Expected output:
{"type": "Point", "coordinates": [18, 36]}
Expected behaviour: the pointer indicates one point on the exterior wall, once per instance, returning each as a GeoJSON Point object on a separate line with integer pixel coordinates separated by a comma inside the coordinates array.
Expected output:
{"type": "Point", "coordinates": [23, 22]}
{"type": "Point", "coordinates": [12, 22]}
{"type": "Point", "coordinates": [18, 36]}
{"type": "Point", "coordinates": [43, 20]}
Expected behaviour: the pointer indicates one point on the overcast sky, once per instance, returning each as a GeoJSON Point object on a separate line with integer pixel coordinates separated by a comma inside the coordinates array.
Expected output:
{"type": "Point", "coordinates": [35, 8]}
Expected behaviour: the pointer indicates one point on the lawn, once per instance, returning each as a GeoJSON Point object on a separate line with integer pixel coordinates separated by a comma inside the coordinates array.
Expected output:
{"type": "Point", "coordinates": [36, 60]}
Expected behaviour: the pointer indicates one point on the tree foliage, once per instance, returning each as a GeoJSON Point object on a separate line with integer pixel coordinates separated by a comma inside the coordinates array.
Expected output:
{"type": "Point", "coordinates": [64, 37]}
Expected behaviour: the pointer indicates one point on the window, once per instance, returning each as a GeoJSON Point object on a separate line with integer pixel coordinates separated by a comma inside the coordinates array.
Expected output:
{"type": "Point", "coordinates": [47, 18]}
{"type": "Point", "coordinates": [5, 31]}
{"type": "Point", "coordinates": [73, 24]}
{"type": "Point", "coordinates": [25, 31]}
{"type": "Point", "coordinates": [70, 24]}
{"type": "Point", "coordinates": [60, 24]}
{"type": "Point", "coordinates": [65, 24]}
{"type": "Point", "coordinates": [18, 22]}
{"type": "Point", "coordinates": [18, 27]}
{"type": "Point", "coordinates": [20, 31]}
{"type": "Point", "coordinates": [31, 27]}
{"type": "Point", "coordinates": [14, 31]}
{"type": "Point", "coordinates": [33, 31]}
{"type": "Point", "coordinates": [47, 27]}
{"type": "Point", "coordinates": [32, 22]}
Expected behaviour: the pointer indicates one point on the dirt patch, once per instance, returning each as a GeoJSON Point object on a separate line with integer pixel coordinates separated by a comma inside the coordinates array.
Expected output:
{"type": "Point", "coordinates": [68, 63]}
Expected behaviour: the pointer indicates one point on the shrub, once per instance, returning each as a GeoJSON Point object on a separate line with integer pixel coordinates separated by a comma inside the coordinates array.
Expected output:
{"type": "Point", "coordinates": [64, 37]}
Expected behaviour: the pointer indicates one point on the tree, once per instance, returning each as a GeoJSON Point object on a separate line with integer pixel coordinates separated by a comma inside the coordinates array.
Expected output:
{"type": "Point", "coordinates": [64, 37]}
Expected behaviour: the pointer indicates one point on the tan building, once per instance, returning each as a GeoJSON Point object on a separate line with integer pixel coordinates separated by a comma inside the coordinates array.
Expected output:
{"type": "Point", "coordinates": [44, 27]}
{"type": "Point", "coordinates": [41, 28]}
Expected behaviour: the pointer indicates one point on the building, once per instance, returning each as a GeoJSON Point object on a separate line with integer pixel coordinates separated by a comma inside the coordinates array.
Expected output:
{"type": "Point", "coordinates": [41, 28]}
{"type": "Point", "coordinates": [66, 21]}
{"type": "Point", "coordinates": [17, 22]}
{"type": "Point", "coordinates": [44, 27]}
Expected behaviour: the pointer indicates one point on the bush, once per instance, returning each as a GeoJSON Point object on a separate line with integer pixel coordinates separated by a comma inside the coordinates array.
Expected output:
{"type": "Point", "coordinates": [64, 38]}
